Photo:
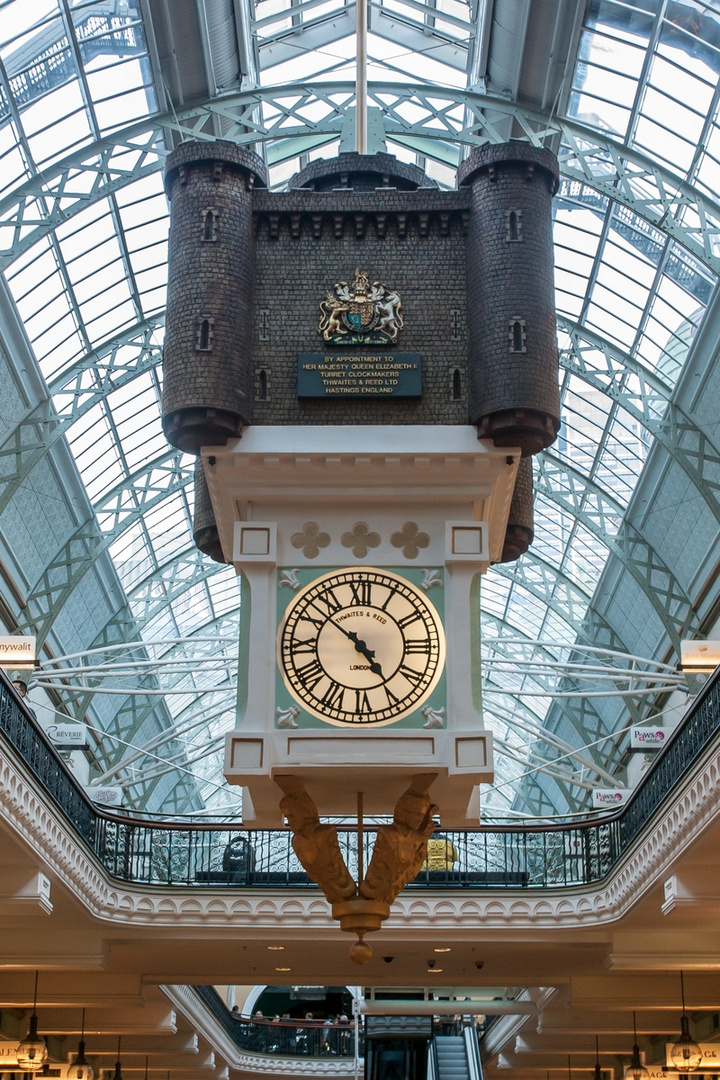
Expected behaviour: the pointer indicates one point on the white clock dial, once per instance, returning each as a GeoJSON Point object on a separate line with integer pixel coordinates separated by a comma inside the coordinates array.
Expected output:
{"type": "Point", "coordinates": [361, 646]}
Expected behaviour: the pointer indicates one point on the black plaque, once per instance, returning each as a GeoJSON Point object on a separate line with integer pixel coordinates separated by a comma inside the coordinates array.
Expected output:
{"type": "Point", "coordinates": [382, 375]}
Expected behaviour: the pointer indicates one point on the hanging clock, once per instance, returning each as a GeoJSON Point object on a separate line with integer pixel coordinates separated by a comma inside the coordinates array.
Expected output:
{"type": "Point", "coordinates": [361, 646]}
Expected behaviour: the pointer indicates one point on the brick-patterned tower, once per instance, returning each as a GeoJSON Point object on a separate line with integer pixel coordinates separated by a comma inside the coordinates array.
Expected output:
{"type": "Point", "coordinates": [474, 268]}
{"type": "Point", "coordinates": [512, 346]}
{"type": "Point", "coordinates": [520, 532]}
{"type": "Point", "coordinates": [208, 372]}
{"type": "Point", "coordinates": [205, 531]}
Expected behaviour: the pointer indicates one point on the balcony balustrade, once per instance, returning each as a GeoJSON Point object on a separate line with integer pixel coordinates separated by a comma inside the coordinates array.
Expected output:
{"type": "Point", "coordinates": [217, 855]}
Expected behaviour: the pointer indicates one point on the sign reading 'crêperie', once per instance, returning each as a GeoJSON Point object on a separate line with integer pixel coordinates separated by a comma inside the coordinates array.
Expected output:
{"type": "Point", "coordinates": [355, 375]}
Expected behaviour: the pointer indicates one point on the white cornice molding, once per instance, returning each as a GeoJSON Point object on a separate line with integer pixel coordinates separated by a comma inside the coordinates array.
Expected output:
{"type": "Point", "coordinates": [34, 819]}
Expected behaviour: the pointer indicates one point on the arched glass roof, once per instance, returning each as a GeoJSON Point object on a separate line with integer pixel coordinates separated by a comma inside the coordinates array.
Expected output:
{"type": "Point", "coordinates": [95, 93]}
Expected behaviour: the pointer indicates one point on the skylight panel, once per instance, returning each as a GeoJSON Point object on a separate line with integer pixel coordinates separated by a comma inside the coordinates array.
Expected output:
{"type": "Point", "coordinates": [89, 226]}
{"type": "Point", "coordinates": [707, 176]}
{"type": "Point", "coordinates": [60, 138]}
{"type": "Point", "coordinates": [692, 90]}
{"type": "Point", "coordinates": [38, 282]}
{"type": "Point", "coordinates": [131, 554]}
{"type": "Point", "coordinates": [21, 18]}
{"type": "Point", "coordinates": [224, 589]}
{"type": "Point", "coordinates": [587, 556]}
{"type": "Point", "coordinates": [599, 113]}
{"type": "Point", "coordinates": [600, 317]}
{"type": "Point", "coordinates": [494, 593]}
{"type": "Point", "coordinates": [140, 448]}
{"type": "Point", "coordinates": [13, 165]}
{"type": "Point", "coordinates": [139, 433]}
{"type": "Point", "coordinates": [121, 313]}
{"type": "Point", "coordinates": [48, 316]}
{"type": "Point", "coordinates": [526, 613]}
{"type": "Point", "coordinates": [618, 293]}
{"type": "Point", "coordinates": [661, 142]}
{"type": "Point", "coordinates": [388, 54]}
{"type": "Point", "coordinates": [123, 109]}
{"type": "Point", "coordinates": [89, 290]}
{"type": "Point", "coordinates": [306, 64]}
{"type": "Point", "coordinates": [97, 457]}
{"type": "Point", "coordinates": [161, 625]}
{"type": "Point", "coordinates": [56, 348]}
{"type": "Point", "coordinates": [553, 528]}
{"type": "Point", "coordinates": [558, 629]}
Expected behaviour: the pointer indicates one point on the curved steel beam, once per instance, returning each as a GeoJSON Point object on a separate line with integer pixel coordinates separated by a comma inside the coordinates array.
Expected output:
{"type": "Point", "coordinates": [648, 402]}
{"type": "Point", "coordinates": [590, 504]}
{"type": "Point", "coordinates": [653, 192]}
{"type": "Point", "coordinates": [87, 382]}
{"type": "Point", "coordinates": [119, 508]}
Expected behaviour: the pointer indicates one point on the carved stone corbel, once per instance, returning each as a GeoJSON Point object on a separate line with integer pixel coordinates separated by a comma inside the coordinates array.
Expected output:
{"type": "Point", "coordinates": [399, 852]}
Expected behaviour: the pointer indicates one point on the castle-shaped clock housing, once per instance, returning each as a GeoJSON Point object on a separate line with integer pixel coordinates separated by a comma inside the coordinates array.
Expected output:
{"type": "Point", "coordinates": [364, 365]}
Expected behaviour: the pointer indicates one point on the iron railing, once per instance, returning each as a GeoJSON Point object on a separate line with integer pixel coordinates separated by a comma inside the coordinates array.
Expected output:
{"type": "Point", "coordinates": [502, 856]}
{"type": "Point", "coordinates": [284, 1037]}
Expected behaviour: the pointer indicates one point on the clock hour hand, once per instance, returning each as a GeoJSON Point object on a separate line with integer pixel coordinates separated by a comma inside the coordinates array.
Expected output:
{"type": "Point", "coordinates": [362, 648]}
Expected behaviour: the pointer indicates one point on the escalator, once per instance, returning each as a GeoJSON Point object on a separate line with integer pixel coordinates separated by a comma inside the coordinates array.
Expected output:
{"type": "Point", "coordinates": [455, 1057]}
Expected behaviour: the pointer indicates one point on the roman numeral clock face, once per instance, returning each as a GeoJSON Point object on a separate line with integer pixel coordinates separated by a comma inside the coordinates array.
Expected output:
{"type": "Point", "coordinates": [361, 646]}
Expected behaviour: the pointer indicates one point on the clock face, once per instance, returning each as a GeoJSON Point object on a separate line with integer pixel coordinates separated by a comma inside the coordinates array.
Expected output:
{"type": "Point", "coordinates": [361, 646]}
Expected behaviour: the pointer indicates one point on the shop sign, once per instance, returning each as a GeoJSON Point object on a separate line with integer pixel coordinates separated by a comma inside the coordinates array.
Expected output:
{"type": "Point", "coordinates": [610, 798]}
{"type": "Point", "coordinates": [17, 651]}
{"type": "Point", "coordinates": [67, 736]}
{"type": "Point", "coordinates": [645, 739]}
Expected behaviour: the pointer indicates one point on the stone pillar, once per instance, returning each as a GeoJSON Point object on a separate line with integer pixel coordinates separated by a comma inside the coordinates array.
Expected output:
{"type": "Point", "coordinates": [512, 343]}
{"type": "Point", "coordinates": [207, 363]}
{"type": "Point", "coordinates": [520, 533]}
{"type": "Point", "coordinates": [205, 531]}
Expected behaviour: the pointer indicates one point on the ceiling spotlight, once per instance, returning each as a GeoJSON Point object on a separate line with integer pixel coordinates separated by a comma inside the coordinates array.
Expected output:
{"type": "Point", "coordinates": [431, 963]}
{"type": "Point", "coordinates": [32, 1051]}
{"type": "Point", "coordinates": [685, 1055]}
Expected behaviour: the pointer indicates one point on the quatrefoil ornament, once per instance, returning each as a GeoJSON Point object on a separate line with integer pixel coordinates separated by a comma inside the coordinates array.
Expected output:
{"type": "Point", "coordinates": [360, 539]}
{"type": "Point", "coordinates": [310, 540]}
{"type": "Point", "coordinates": [410, 539]}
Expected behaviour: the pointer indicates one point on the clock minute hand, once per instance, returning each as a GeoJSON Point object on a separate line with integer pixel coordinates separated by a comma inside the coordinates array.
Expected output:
{"type": "Point", "coordinates": [361, 647]}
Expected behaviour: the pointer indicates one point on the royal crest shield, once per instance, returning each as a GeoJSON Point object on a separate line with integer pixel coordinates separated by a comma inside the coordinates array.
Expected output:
{"type": "Point", "coordinates": [361, 313]}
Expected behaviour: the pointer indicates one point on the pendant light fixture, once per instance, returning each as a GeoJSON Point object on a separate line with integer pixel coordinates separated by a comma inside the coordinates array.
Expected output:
{"type": "Point", "coordinates": [80, 1069]}
{"type": "Point", "coordinates": [32, 1051]}
{"type": "Point", "coordinates": [118, 1067]}
{"type": "Point", "coordinates": [597, 1075]}
{"type": "Point", "coordinates": [686, 1055]}
{"type": "Point", "coordinates": [637, 1070]}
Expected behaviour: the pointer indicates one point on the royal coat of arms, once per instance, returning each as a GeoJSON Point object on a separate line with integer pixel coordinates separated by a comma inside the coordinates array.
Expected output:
{"type": "Point", "coordinates": [361, 313]}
